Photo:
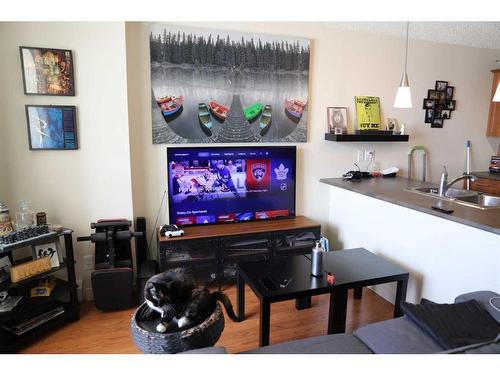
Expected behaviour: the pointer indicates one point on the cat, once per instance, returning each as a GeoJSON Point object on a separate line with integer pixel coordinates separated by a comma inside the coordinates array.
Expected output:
{"type": "Point", "coordinates": [181, 303]}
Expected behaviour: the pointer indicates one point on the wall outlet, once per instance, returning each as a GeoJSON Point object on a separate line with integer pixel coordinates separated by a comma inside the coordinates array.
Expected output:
{"type": "Point", "coordinates": [88, 262]}
{"type": "Point", "coordinates": [370, 155]}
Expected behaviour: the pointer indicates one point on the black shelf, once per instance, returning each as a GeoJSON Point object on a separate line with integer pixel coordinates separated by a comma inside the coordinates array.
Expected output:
{"type": "Point", "coordinates": [4, 248]}
{"type": "Point", "coordinates": [367, 137]}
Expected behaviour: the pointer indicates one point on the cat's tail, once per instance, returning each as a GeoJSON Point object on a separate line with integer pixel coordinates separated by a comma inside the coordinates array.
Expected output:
{"type": "Point", "coordinates": [227, 305]}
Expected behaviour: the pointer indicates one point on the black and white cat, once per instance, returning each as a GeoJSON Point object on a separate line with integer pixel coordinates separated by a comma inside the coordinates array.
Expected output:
{"type": "Point", "coordinates": [176, 296]}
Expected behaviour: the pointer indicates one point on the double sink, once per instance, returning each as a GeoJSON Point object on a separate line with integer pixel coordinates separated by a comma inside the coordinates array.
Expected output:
{"type": "Point", "coordinates": [464, 197]}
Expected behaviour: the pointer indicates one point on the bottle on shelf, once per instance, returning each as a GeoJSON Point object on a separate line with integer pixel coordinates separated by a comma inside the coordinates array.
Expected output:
{"type": "Point", "coordinates": [317, 260]}
{"type": "Point", "coordinates": [6, 226]}
{"type": "Point", "coordinates": [24, 215]}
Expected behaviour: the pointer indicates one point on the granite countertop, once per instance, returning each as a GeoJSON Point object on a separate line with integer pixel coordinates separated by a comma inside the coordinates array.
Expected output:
{"type": "Point", "coordinates": [487, 175]}
{"type": "Point", "coordinates": [393, 190]}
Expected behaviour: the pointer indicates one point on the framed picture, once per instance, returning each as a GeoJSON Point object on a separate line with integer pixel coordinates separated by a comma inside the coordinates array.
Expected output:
{"type": "Point", "coordinates": [51, 127]}
{"type": "Point", "coordinates": [429, 116]}
{"type": "Point", "coordinates": [441, 85]}
{"type": "Point", "coordinates": [445, 114]}
{"type": "Point", "coordinates": [367, 112]}
{"type": "Point", "coordinates": [450, 104]}
{"type": "Point", "coordinates": [430, 103]}
{"type": "Point", "coordinates": [48, 250]}
{"type": "Point", "coordinates": [337, 120]}
{"type": "Point", "coordinates": [392, 124]}
{"type": "Point", "coordinates": [433, 94]}
{"type": "Point", "coordinates": [449, 92]}
{"type": "Point", "coordinates": [442, 97]}
{"type": "Point", "coordinates": [47, 71]}
{"type": "Point", "coordinates": [437, 123]}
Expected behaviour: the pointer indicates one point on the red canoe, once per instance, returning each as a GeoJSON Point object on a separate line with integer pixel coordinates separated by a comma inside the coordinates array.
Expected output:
{"type": "Point", "coordinates": [163, 99]}
{"type": "Point", "coordinates": [172, 106]}
{"type": "Point", "coordinates": [218, 110]}
{"type": "Point", "coordinates": [293, 109]}
{"type": "Point", "coordinates": [299, 102]}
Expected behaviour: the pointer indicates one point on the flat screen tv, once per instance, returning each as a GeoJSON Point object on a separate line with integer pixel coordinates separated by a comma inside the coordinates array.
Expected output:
{"type": "Point", "coordinates": [212, 185]}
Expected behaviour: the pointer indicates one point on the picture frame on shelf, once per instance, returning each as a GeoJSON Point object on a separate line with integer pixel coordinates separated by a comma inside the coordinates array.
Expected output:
{"type": "Point", "coordinates": [441, 85]}
{"type": "Point", "coordinates": [47, 71]}
{"type": "Point", "coordinates": [337, 120]}
{"type": "Point", "coordinates": [392, 125]}
{"type": "Point", "coordinates": [48, 250]}
{"type": "Point", "coordinates": [51, 127]}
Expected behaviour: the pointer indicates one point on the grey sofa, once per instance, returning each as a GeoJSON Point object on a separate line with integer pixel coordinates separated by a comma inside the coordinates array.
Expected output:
{"type": "Point", "coordinates": [394, 336]}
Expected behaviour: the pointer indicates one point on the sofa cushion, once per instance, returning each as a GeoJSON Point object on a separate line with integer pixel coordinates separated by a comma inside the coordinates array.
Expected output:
{"type": "Point", "coordinates": [396, 336]}
{"type": "Point", "coordinates": [483, 297]}
{"type": "Point", "coordinates": [342, 343]}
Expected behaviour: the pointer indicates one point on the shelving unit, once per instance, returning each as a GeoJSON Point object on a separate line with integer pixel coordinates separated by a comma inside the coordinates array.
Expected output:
{"type": "Point", "coordinates": [63, 297]}
{"type": "Point", "coordinates": [366, 137]}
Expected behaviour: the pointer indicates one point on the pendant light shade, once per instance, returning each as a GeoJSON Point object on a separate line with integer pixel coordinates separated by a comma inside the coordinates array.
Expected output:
{"type": "Point", "coordinates": [403, 95]}
{"type": "Point", "coordinates": [496, 97]}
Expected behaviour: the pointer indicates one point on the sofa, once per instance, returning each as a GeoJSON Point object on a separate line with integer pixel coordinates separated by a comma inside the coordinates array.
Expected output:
{"type": "Point", "coordinates": [394, 336]}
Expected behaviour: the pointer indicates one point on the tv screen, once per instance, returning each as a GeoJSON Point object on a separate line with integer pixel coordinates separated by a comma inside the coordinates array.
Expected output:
{"type": "Point", "coordinates": [210, 185]}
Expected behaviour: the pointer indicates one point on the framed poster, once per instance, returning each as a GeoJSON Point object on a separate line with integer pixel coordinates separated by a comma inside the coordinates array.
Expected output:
{"type": "Point", "coordinates": [51, 127]}
{"type": "Point", "coordinates": [47, 71]}
{"type": "Point", "coordinates": [368, 112]}
{"type": "Point", "coordinates": [337, 120]}
{"type": "Point", "coordinates": [223, 86]}
{"type": "Point", "coordinates": [48, 250]}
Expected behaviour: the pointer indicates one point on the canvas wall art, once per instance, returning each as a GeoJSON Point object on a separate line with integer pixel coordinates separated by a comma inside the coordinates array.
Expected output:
{"type": "Point", "coordinates": [214, 86]}
{"type": "Point", "coordinates": [47, 71]}
{"type": "Point", "coordinates": [51, 127]}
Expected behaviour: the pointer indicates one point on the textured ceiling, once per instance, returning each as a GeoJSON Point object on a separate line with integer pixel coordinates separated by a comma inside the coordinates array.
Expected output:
{"type": "Point", "coordinates": [472, 34]}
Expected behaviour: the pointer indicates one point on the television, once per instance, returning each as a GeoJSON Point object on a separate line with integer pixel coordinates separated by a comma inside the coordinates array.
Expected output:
{"type": "Point", "coordinates": [213, 185]}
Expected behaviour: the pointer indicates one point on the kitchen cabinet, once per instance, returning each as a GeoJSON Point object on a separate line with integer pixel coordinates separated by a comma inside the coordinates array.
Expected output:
{"type": "Point", "coordinates": [493, 129]}
{"type": "Point", "coordinates": [486, 185]}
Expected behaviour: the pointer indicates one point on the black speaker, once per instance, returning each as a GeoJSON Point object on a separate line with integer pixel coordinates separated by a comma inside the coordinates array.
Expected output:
{"type": "Point", "coordinates": [141, 243]}
{"type": "Point", "coordinates": [113, 288]}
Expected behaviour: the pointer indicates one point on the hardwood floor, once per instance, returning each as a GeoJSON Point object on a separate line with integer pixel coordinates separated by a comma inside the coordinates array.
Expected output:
{"type": "Point", "coordinates": [108, 332]}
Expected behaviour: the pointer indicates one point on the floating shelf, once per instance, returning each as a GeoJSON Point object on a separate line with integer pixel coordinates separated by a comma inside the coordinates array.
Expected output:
{"type": "Point", "coordinates": [366, 137]}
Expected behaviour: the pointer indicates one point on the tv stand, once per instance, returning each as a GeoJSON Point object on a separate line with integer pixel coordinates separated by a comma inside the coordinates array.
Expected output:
{"type": "Point", "coordinates": [212, 251]}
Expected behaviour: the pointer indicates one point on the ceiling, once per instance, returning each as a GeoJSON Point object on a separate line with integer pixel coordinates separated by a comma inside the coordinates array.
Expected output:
{"type": "Point", "coordinates": [472, 34]}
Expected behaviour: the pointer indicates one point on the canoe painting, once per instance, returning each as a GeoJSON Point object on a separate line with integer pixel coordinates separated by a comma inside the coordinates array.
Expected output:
{"type": "Point", "coordinates": [293, 110]}
{"type": "Point", "coordinates": [265, 119]}
{"type": "Point", "coordinates": [205, 118]}
{"type": "Point", "coordinates": [168, 108]}
{"type": "Point", "coordinates": [163, 99]}
{"type": "Point", "coordinates": [218, 110]}
{"type": "Point", "coordinates": [253, 111]}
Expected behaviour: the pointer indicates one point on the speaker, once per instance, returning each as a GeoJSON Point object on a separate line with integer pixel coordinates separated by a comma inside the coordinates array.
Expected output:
{"type": "Point", "coordinates": [141, 243]}
{"type": "Point", "coordinates": [113, 288]}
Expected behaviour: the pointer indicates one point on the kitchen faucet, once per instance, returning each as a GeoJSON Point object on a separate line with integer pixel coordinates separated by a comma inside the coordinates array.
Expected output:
{"type": "Point", "coordinates": [444, 185]}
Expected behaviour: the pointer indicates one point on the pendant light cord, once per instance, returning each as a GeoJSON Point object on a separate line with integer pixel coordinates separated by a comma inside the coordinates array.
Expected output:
{"type": "Point", "coordinates": [407, 45]}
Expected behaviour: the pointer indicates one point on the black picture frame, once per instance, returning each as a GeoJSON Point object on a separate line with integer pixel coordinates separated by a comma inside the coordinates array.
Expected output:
{"type": "Point", "coordinates": [67, 129]}
{"type": "Point", "coordinates": [441, 85]}
{"type": "Point", "coordinates": [449, 96]}
{"type": "Point", "coordinates": [451, 104]}
{"type": "Point", "coordinates": [70, 80]}
{"type": "Point", "coordinates": [427, 101]}
{"type": "Point", "coordinates": [437, 123]}
{"type": "Point", "coordinates": [429, 116]}
{"type": "Point", "coordinates": [446, 114]}
{"type": "Point", "coordinates": [442, 97]}
{"type": "Point", "coordinates": [433, 94]}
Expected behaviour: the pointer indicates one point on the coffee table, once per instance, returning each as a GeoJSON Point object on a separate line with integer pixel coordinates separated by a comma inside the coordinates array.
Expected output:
{"type": "Point", "coordinates": [353, 269]}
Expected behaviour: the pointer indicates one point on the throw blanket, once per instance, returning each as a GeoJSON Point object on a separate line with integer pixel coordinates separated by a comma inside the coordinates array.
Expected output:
{"type": "Point", "coordinates": [453, 325]}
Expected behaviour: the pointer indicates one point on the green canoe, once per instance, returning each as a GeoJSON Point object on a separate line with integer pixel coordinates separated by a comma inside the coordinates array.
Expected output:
{"type": "Point", "coordinates": [253, 111]}
{"type": "Point", "coordinates": [265, 119]}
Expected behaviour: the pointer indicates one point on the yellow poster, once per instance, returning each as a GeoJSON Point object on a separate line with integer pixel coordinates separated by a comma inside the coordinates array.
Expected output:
{"type": "Point", "coordinates": [368, 112]}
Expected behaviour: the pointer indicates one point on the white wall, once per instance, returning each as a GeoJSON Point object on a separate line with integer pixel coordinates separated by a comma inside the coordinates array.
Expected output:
{"type": "Point", "coordinates": [344, 64]}
{"type": "Point", "coordinates": [72, 187]}
{"type": "Point", "coordinates": [444, 258]}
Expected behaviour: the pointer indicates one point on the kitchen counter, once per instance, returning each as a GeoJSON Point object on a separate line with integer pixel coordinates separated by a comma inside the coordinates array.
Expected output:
{"type": "Point", "coordinates": [392, 190]}
{"type": "Point", "coordinates": [487, 175]}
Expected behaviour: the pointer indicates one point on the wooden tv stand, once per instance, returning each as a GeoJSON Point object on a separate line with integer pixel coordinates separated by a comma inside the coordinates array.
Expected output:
{"type": "Point", "coordinates": [212, 251]}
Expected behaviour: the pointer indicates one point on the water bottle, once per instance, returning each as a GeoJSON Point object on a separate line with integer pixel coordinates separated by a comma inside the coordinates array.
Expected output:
{"type": "Point", "coordinates": [317, 260]}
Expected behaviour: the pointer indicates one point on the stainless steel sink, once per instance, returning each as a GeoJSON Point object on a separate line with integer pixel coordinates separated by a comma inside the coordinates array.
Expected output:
{"type": "Point", "coordinates": [460, 196]}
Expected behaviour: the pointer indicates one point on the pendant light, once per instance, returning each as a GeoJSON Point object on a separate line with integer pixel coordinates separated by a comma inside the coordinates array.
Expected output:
{"type": "Point", "coordinates": [403, 96]}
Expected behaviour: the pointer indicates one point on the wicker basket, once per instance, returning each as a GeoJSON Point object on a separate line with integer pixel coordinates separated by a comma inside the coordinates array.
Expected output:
{"type": "Point", "coordinates": [151, 342]}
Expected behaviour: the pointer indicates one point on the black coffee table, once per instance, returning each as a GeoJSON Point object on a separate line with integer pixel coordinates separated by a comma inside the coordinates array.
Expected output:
{"type": "Point", "coordinates": [353, 269]}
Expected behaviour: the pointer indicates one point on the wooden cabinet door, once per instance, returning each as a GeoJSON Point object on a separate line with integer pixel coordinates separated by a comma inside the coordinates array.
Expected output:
{"type": "Point", "coordinates": [486, 186]}
{"type": "Point", "coordinates": [493, 129]}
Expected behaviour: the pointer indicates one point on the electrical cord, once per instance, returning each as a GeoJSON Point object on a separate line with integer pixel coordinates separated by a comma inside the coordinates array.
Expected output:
{"type": "Point", "coordinates": [492, 305]}
{"type": "Point", "coordinates": [156, 221]}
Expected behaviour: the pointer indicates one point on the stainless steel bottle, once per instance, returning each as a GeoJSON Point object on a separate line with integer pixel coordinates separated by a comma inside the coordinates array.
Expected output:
{"type": "Point", "coordinates": [317, 260]}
